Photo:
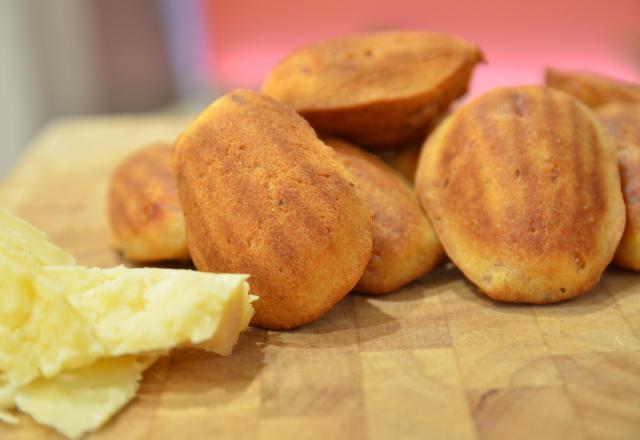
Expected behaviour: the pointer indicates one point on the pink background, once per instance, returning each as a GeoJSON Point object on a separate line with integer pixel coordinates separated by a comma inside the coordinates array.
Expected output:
{"type": "Point", "coordinates": [245, 38]}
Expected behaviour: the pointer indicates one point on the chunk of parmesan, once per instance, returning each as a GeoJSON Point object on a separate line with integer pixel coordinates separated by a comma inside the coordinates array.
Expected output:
{"type": "Point", "coordinates": [155, 310]}
{"type": "Point", "coordinates": [41, 334]}
{"type": "Point", "coordinates": [74, 341]}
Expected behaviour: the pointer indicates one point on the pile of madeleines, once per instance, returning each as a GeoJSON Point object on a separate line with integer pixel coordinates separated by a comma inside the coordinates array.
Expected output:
{"type": "Point", "coordinates": [521, 188]}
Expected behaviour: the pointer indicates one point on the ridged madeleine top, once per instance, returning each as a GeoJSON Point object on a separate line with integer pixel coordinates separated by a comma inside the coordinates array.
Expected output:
{"type": "Point", "coordinates": [523, 189]}
{"type": "Point", "coordinates": [263, 195]}
{"type": "Point", "coordinates": [363, 68]}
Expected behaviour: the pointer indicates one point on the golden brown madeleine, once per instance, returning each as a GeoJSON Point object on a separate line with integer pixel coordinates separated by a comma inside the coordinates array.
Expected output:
{"type": "Point", "coordinates": [405, 245]}
{"type": "Point", "coordinates": [263, 195]}
{"type": "Point", "coordinates": [378, 89]}
{"type": "Point", "coordinates": [523, 190]}
{"type": "Point", "coordinates": [144, 211]}
{"type": "Point", "coordinates": [592, 89]}
{"type": "Point", "coordinates": [623, 122]}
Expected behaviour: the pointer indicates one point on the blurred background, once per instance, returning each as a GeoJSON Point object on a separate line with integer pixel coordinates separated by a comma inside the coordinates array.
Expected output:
{"type": "Point", "coordinates": [77, 57]}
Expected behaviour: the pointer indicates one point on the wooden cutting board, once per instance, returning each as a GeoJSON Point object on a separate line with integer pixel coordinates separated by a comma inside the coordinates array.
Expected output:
{"type": "Point", "coordinates": [433, 360]}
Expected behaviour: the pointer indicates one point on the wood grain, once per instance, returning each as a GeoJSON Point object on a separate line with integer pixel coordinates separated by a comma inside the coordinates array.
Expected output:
{"type": "Point", "coordinates": [433, 360]}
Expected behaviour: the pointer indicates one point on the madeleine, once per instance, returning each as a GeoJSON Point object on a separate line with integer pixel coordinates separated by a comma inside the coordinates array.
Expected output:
{"type": "Point", "coordinates": [263, 195]}
{"type": "Point", "coordinates": [379, 89]}
{"type": "Point", "coordinates": [143, 207]}
{"type": "Point", "coordinates": [592, 89]}
{"type": "Point", "coordinates": [405, 245]}
{"type": "Point", "coordinates": [523, 189]}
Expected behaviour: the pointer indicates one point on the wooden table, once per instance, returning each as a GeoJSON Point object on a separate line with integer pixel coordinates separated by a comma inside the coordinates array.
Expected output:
{"type": "Point", "coordinates": [434, 360]}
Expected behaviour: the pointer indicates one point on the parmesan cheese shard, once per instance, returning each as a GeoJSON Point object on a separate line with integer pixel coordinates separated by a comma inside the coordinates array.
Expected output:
{"type": "Point", "coordinates": [155, 310]}
{"type": "Point", "coordinates": [74, 341]}
{"type": "Point", "coordinates": [79, 401]}
{"type": "Point", "coordinates": [41, 334]}
{"type": "Point", "coordinates": [25, 239]}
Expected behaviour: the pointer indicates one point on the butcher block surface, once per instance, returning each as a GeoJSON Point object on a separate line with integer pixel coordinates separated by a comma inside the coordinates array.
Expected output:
{"type": "Point", "coordinates": [435, 359]}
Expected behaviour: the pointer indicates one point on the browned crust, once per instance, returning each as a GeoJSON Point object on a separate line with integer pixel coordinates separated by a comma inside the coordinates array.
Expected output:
{"type": "Point", "coordinates": [592, 89]}
{"type": "Point", "coordinates": [376, 89]}
{"type": "Point", "coordinates": [523, 190]}
{"type": "Point", "coordinates": [144, 212]}
{"type": "Point", "coordinates": [405, 245]}
{"type": "Point", "coordinates": [623, 122]}
{"type": "Point", "coordinates": [263, 195]}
